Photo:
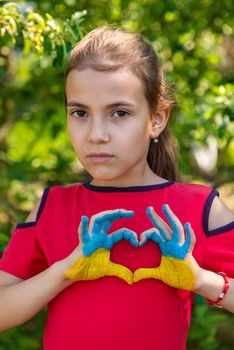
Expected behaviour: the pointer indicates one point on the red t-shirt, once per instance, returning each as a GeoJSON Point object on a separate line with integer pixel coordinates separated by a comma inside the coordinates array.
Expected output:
{"type": "Point", "coordinates": [108, 313]}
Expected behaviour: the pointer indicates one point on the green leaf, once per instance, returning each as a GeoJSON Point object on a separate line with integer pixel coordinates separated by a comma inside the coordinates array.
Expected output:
{"type": "Point", "coordinates": [36, 17]}
{"type": "Point", "coordinates": [58, 60]}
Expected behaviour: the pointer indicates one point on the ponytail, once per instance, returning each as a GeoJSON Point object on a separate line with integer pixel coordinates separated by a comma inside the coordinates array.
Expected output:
{"type": "Point", "coordinates": [162, 156]}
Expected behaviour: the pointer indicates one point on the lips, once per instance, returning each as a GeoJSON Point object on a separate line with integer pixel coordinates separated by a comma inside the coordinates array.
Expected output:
{"type": "Point", "coordinates": [100, 157]}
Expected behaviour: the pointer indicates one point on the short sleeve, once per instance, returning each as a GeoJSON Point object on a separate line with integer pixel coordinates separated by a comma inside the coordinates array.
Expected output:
{"type": "Point", "coordinates": [219, 250]}
{"type": "Point", "coordinates": [23, 256]}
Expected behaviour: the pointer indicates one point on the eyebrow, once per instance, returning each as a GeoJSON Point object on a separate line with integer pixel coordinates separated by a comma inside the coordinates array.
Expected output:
{"type": "Point", "coordinates": [115, 104]}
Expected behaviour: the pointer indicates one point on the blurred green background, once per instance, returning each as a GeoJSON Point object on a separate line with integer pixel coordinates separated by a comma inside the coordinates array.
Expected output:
{"type": "Point", "coordinates": [195, 42]}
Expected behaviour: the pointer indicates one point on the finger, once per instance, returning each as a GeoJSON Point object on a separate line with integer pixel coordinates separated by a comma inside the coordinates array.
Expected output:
{"type": "Point", "coordinates": [97, 227]}
{"type": "Point", "coordinates": [113, 238]}
{"type": "Point", "coordinates": [123, 233]}
{"type": "Point", "coordinates": [131, 236]}
{"type": "Point", "coordinates": [83, 232]}
{"type": "Point", "coordinates": [145, 273]}
{"type": "Point", "coordinates": [104, 219]}
{"type": "Point", "coordinates": [152, 234]}
{"type": "Point", "coordinates": [158, 222]}
{"type": "Point", "coordinates": [119, 235]}
{"type": "Point", "coordinates": [190, 239]}
{"type": "Point", "coordinates": [145, 236]}
{"type": "Point", "coordinates": [113, 215]}
{"type": "Point", "coordinates": [177, 228]}
{"type": "Point", "coordinates": [120, 271]}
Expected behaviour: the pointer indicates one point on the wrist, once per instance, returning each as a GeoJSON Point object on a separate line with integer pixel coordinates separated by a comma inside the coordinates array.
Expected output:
{"type": "Point", "coordinates": [60, 268]}
{"type": "Point", "coordinates": [223, 293]}
{"type": "Point", "coordinates": [210, 285]}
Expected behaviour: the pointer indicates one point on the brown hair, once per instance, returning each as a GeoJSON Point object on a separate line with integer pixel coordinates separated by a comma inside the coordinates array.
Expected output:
{"type": "Point", "coordinates": [110, 49]}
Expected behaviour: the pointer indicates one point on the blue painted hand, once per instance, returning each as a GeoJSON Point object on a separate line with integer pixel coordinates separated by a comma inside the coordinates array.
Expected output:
{"type": "Point", "coordinates": [178, 268]}
{"type": "Point", "coordinates": [94, 235]}
{"type": "Point", "coordinates": [94, 260]}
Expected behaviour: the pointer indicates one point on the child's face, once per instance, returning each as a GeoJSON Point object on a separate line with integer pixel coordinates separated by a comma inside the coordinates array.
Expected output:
{"type": "Point", "coordinates": [109, 125]}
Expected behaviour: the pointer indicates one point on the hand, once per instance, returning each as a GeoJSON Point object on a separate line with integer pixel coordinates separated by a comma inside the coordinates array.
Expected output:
{"type": "Point", "coordinates": [98, 228]}
{"type": "Point", "coordinates": [178, 268]}
{"type": "Point", "coordinates": [94, 249]}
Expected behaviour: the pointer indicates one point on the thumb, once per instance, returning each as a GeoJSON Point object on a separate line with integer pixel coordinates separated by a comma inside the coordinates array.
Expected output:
{"type": "Point", "coordinates": [144, 273]}
{"type": "Point", "coordinates": [120, 271]}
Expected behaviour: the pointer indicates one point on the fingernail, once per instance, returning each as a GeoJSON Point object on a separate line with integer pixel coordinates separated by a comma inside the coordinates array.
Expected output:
{"type": "Point", "coordinates": [149, 209]}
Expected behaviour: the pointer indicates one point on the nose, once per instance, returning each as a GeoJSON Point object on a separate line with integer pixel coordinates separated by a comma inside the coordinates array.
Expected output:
{"type": "Point", "coordinates": [98, 132]}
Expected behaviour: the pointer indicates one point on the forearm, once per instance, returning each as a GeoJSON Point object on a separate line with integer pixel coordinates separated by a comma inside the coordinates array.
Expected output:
{"type": "Point", "coordinates": [20, 302]}
{"type": "Point", "coordinates": [211, 286]}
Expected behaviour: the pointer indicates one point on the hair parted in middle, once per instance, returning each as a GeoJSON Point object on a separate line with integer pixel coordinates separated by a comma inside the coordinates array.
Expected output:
{"type": "Point", "coordinates": [113, 49]}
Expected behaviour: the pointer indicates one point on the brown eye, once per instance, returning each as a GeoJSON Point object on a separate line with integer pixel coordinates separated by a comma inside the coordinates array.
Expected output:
{"type": "Point", "coordinates": [120, 114]}
{"type": "Point", "coordinates": [79, 113]}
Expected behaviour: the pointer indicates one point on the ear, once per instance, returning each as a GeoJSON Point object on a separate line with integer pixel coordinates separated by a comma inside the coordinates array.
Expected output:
{"type": "Point", "coordinates": [159, 121]}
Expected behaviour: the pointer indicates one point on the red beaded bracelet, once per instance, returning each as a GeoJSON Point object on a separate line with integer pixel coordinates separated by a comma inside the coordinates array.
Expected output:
{"type": "Point", "coordinates": [224, 291]}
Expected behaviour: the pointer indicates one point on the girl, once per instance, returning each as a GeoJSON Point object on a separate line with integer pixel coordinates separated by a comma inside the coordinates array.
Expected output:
{"type": "Point", "coordinates": [127, 280]}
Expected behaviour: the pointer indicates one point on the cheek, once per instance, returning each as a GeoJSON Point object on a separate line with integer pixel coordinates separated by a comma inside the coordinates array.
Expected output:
{"type": "Point", "coordinates": [139, 134]}
{"type": "Point", "coordinates": [73, 132]}
{"type": "Point", "coordinates": [69, 124]}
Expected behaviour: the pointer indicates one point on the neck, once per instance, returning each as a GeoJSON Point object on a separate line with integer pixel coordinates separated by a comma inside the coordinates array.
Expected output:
{"type": "Point", "coordinates": [148, 177]}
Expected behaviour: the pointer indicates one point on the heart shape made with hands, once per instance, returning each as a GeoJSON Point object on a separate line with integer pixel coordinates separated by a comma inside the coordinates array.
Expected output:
{"type": "Point", "coordinates": [148, 255]}
{"type": "Point", "coordinates": [96, 245]}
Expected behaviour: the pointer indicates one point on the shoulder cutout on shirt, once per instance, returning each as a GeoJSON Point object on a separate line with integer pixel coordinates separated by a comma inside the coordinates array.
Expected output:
{"type": "Point", "coordinates": [33, 215]}
{"type": "Point", "coordinates": [220, 214]}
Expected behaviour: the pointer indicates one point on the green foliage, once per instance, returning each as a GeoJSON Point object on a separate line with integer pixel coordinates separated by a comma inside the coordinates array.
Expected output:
{"type": "Point", "coordinates": [45, 35]}
{"type": "Point", "coordinates": [25, 337]}
{"type": "Point", "coordinates": [211, 328]}
{"type": "Point", "coordinates": [193, 39]}
{"type": "Point", "coordinates": [203, 330]}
